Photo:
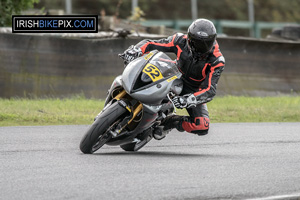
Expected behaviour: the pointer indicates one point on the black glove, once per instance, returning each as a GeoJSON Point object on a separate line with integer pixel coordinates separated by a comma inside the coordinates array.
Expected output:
{"type": "Point", "coordinates": [185, 101]}
{"type": "Point", "coordinates": [130, 54]}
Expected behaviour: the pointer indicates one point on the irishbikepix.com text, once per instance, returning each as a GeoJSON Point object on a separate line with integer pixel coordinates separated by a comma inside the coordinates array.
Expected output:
{"type": "Point", "coordinates": [55, 24]}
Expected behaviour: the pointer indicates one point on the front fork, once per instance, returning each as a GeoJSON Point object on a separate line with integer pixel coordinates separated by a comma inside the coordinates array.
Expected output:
{"type": "Point", "coordinates": [133, 110]}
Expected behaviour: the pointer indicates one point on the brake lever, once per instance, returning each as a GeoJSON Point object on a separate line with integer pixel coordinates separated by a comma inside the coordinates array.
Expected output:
{"type": "Point", "coordinates": [122, 56]}
{"type": "Point", "coordinates": [168, 95]}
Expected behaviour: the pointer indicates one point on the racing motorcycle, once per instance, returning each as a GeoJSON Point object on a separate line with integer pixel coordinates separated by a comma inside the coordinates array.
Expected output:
{"type": "Point", "coordinates": [137, 102]}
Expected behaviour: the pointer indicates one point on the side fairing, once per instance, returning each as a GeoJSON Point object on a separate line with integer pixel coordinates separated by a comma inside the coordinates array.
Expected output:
{"type": "Point", "coordinates": [116, 83]}
{"type": "Point", "coordinates": [153, 94]}
{"type": "Point", "coordinates": [131, 72]}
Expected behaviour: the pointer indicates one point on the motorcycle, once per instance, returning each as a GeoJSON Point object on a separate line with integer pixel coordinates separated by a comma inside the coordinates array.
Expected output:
{"type": "Point", "coordinates": [137, 102]}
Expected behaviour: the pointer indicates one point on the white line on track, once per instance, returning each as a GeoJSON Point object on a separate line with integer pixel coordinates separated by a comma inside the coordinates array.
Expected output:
{"type": "Point", "coordinates": [278, 197]}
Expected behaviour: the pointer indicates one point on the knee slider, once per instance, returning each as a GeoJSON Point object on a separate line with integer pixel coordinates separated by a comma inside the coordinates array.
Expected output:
{"type": "Point", "coordinates": [200, 132]}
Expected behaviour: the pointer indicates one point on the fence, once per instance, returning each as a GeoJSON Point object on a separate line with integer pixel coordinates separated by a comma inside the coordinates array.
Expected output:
{"type": "Point", "coordinates": [257, 27]}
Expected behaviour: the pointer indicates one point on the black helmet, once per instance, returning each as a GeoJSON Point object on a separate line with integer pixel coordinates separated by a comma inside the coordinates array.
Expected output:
{"type": "Point", "coordinates": [201, 36]}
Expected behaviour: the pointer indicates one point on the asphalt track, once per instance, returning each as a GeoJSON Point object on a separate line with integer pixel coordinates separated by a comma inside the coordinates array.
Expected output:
{"type": "Point", "coordinates": [235, 161]}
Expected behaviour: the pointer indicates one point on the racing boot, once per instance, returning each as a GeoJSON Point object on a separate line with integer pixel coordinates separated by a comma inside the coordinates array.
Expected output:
{"type": "Point", "coordinates": [158, 133]}
{"type": "Point", "coordinates": [173, 121]}
{"type": "Point", "coordinates": [167, 124]}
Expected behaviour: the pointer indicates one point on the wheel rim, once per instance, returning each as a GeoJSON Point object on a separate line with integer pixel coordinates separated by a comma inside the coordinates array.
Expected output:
{"type": "Point", "coordinates": [104, 137]}
{"type": "Point", "coordinates": [101, 141]}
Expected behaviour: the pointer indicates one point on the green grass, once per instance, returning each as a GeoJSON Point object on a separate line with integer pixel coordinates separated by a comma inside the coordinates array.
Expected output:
{"type": "Point", "coordinates": [255, 109]}
{"type": "Point", "coordinates": [19, 112]}
{"type": "Point", "coordinates": [79, 110]}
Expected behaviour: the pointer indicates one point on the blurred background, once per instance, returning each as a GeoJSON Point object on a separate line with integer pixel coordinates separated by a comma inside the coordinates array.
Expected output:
{"type": "Point", "coordinates": [260, 40]}
{"type": "Point", "coordinates": [249, 18]}
{"type": "Point", "coordinates": [178, 13]}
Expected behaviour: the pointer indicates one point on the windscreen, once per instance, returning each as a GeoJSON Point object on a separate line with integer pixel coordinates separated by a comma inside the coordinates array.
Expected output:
{"type": "Point", "coordinates": [159, 67]}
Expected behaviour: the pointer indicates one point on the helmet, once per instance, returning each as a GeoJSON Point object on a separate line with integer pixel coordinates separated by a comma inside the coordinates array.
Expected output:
{"type": "Point", "coordinates": [201, 36]}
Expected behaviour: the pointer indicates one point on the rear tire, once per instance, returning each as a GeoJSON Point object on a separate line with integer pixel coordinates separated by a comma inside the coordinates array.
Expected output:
{"type": "Point", "coordinates": [97, 135]}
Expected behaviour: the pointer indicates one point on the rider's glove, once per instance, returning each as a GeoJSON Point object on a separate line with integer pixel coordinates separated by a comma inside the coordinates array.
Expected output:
{"type": "Point", "coordinates": [185, 101]}
{"type": "Point", "coordinates": [131, 53]}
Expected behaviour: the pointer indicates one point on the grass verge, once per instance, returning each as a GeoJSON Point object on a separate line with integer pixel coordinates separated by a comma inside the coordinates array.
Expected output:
{"type": "Point", "coordinates": [79, 110]}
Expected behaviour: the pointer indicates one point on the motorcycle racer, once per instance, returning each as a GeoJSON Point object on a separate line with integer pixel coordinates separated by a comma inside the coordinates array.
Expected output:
{"type": "Point", "coordinates": [201, 63]}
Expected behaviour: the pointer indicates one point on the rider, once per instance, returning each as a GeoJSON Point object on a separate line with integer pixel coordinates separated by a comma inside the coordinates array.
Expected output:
{"type": "Point", "coordinates": [201, 63]}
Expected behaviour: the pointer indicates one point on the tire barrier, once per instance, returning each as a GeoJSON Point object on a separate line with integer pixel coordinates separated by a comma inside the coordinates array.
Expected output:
{"type": "Point", "coordinates": [260, 67]}
{"type": "Point", "coordinates": [47, 66]}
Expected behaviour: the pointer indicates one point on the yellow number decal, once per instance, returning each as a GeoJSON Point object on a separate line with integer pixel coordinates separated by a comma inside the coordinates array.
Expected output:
{"type": "Point", "coordinates": [153, 72]}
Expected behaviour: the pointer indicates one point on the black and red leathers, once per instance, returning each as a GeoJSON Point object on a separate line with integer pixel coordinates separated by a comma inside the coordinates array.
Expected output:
{"type": "Point", "coordinates": [200, 76]}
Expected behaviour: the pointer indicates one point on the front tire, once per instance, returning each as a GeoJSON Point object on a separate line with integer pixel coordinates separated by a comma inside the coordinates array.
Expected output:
{"type": "Point", "coordinates": [97, 135]}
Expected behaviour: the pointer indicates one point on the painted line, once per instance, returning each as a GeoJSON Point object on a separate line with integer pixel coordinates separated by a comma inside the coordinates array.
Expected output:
{"type": "Point", "coordinates": [290, 196]}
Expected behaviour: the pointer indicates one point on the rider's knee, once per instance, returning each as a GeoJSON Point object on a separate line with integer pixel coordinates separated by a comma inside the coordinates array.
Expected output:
{"type": "Point", "coordinates": [199, 127]}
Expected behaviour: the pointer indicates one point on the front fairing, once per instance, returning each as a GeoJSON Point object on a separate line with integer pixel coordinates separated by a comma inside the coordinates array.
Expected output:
{"type": "Point", "coordinates": [149, 78]}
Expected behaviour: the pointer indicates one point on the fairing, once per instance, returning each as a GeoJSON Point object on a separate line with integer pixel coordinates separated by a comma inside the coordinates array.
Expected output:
{"type": "Point", "coordinates": [150, 77]}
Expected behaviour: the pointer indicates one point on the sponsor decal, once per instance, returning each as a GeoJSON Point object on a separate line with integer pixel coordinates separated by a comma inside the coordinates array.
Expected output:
{"type": "Point", "coordinates": [206, 122]}
{"type": "Point", "coordinates": [172, 78]}
{"type": "Point", "coordinates": [203, 34]}
{"type": "Point", "coordinates": [148, 56]}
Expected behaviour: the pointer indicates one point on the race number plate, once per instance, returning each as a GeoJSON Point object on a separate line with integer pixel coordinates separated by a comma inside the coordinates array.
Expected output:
{"type": "Point", "coordinates": [153, 72]}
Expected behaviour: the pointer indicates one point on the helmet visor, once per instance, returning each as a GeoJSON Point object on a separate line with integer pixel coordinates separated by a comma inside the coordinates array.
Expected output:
{"type": "Point", "coordinates": [202, 46]}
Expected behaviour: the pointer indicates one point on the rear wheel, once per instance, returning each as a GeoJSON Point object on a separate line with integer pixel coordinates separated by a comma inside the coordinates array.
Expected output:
{"type": "Point", "coordinates": [98, 134]}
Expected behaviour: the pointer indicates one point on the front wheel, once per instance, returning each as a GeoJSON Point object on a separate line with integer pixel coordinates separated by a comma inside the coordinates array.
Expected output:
{"type": "Point", "coordinates": [97, 135]}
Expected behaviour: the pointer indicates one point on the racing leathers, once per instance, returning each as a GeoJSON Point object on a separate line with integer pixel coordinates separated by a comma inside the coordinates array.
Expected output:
{"type": "Point", "coordinates": [200, 75]}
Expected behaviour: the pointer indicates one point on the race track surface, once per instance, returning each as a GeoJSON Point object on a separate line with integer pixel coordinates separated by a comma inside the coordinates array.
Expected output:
{"type": "Point", "coordinates": [234, 161]}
